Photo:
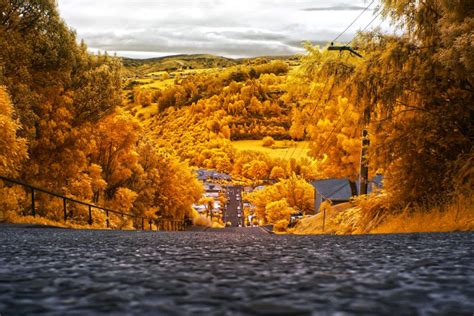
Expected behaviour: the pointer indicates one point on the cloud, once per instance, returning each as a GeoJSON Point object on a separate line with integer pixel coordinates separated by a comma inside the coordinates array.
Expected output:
{"type": "Point", "coordinates": [227, 43]}
{"type": "Point", "coordinates": [338, 7]}
{"type": "Point", "coordinates": [233, 28]}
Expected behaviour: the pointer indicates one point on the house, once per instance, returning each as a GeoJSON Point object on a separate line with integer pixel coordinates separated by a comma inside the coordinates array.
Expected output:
{"type": "Point", "coordinates": [339, 190]}
{"type": "Point", "coordinates": [208, 175]}
{"type": "Point", "coordinates": [212, 187]}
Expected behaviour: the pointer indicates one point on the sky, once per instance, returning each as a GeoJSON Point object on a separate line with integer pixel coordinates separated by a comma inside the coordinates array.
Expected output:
{"type": "Point", "coordinates": [242, 28]}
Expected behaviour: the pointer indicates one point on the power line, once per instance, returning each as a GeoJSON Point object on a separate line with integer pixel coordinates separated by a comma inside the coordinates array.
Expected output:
{"type": "Point", "coordinates": [310, 117]}
{"type": "Point", "coordinates": [326, 142]}
{"type": "Point", "coordinates": [352, 23]}
{"type": "Point", "coordinates": [322, 91]}
{"type": "Point", "coordinates": [365, 28]}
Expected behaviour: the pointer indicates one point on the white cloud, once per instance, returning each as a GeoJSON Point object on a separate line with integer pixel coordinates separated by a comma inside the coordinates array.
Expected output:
{"type": "Point", "coordinates": [149, 28]}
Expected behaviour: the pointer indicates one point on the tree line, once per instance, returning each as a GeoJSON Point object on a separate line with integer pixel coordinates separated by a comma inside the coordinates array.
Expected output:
{"type": "Point", "coordinates": [64, 129]}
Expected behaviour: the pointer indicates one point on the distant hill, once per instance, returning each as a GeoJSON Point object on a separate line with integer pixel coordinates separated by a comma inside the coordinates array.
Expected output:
{"type": "Point", "coordinates": [140, 67]}
{"type": "Point", "coordinates": [177, 62]}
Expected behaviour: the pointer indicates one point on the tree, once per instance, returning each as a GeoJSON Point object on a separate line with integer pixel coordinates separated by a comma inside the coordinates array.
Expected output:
{"type": "Point", "coordinates": [208, 203]}
{"type": "Point", "coordinates": [115, 138]}
{"type": "Point", "coordinates": [268, 141]}
{"type": "Point", "coordinates": [58, 90]}
{"type": "Point", "coordinates": [297, 193]}
{"type": "Point", "coordinates": [334, 123]}
{"type": "Point", "coordinates": [279, 212]}
{"type": "Point", "coordinates": [79, 143]}
{"type": "Point", "coordinates": [277, 173]}
{"type": "Point", "coordinates": [420, 89]}
{"type": "Point", "coordinates": [297, 130]}
{"type": "Point", "coordinates": [122, 202]}
{"type": "Point", "coordinates": [12, 148]}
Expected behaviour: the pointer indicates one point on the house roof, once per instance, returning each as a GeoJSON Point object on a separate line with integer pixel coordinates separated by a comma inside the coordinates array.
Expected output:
{"type": "Point", "coordinates": [204, 174]}
{"type": "Point", "coordinates": [340, 189]}
{"type": "Point", "coordinates": [333, 189]}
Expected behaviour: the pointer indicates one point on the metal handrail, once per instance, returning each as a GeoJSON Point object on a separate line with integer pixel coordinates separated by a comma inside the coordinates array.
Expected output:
{"type": "Point", "coordinates": [65, 199]}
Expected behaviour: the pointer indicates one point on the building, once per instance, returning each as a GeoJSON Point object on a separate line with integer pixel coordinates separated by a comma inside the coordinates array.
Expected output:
{"type": "Point", "coordinates": [211, 189]}
{"type": "Point", "coordinates": [339, 190]}
{"type": "Point", "coordinates": [205, 175]}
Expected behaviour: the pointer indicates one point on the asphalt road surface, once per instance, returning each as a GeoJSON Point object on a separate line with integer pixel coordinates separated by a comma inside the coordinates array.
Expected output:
{"type": "Point", "coordinates": [234, 206]}
{"type": "Point", "coordinates": [235, 272]}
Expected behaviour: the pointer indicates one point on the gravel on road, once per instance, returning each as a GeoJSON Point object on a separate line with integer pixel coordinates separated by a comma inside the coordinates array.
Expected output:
{"type": "Point", "coordinates": [237, 272]}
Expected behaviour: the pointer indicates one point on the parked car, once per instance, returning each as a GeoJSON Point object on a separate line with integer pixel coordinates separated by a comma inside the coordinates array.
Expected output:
{"type": "Point", "coordinates": [294, 218]}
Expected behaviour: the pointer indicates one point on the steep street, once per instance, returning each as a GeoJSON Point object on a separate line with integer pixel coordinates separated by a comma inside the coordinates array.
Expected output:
{"type": "Point", "coordinates": [233, 272]}
{"type": "Point", "coordinates": [234, 211]}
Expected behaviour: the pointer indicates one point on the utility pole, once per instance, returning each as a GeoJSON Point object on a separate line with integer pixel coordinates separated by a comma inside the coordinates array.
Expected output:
{"type": "Point", "coordinates": [364, 161]}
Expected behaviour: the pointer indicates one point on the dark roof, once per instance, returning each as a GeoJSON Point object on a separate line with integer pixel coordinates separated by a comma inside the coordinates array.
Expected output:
{"type": "Point", "coordinates": [334, 189]}
{"type": "Point", "coordinates": [340, 189]}
{"type": "Point", "coordinates": [204, 174]}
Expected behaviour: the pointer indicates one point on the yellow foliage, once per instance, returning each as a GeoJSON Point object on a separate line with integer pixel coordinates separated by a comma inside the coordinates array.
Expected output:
{"type": "Point", "coordinates": [278, 213]}
{"type": "Point", "coordinates": [12, 148]}
{"type": "Point", "coordinates": [339, 219]}
{"type": "Point", "coordinates": [201, 220]}
{"type": "Point", "coordinates": [295, 192]}
{"type": "Point", "coordinates": [455, 216]}
{"type": "Point", "coordinates": [348, 218]}
{"type": "Point", "coordinates": [268, 141]}
{"type": "Point", "coordinates": [13, 217]}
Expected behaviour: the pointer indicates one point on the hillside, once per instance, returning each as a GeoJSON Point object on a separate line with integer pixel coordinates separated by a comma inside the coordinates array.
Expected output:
{"type": "Point", "coordinates": [249, 96]}
{"type": "Point", "coordinates": [216, 117]}
{"type": "Point", "coordinates": [142, 67]}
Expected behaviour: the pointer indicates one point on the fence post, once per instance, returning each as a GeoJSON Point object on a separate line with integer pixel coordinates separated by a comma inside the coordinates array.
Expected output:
{"type": "Point", "coordinates": [107, 220]}
{"type": "Point", "coordinates": [90, 215]}
{"type": "Point", "coordinates": [324, 218]}
{"type": "Point", "coordinates": [149, 222]}
{"type": "Point", "coordinates": [33, 212]}
{"type": "Point", "coordinates": [65, 209]}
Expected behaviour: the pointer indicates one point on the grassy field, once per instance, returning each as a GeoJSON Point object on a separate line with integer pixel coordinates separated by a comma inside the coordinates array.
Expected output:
{"type": "Point", "coordinates": [281, 149]}
{"type": "Point", "coordinates": [155, 84]}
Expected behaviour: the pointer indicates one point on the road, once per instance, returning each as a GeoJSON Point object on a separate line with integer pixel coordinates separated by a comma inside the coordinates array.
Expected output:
{"type": "Point", "coordinates": [239, 272]}
{"type": "Point", "coordinates": [234, 206]}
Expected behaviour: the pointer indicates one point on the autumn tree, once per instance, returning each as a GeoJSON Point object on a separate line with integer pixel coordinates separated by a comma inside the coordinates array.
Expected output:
{"type": "Point", "coordinates": [268, 141]}
{"type": "Point", "coordinates": [297, 129]}
{"type": "Point", "coordinates": [80, 143]}
{"type": "Point", "coordinates": [208, 203]}
{"type": "Point", "coordinates": [277, 173]}
{"type": "Point", "coordinates": [279, 213]}
{"type": "Point", "coordinates": [296, 193]}
{"type": "Point", "coordinates": [115, 138]}
{"type": "Point", "coordinates": [12, 148]}
{"type": "Point", "coordinates": [59, 91]}
{"type": "Point", "coordinates": [324, 112]}
{"type": "Point", "coordinates": [417, 87]}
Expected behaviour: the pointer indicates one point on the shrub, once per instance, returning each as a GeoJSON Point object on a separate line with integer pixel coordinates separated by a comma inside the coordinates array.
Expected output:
{"type": "Point", "coordinates": [268, 141]}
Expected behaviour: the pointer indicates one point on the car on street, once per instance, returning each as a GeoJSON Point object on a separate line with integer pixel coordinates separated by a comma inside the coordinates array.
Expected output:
{"type": "Point", "coordinates": [294, 218]}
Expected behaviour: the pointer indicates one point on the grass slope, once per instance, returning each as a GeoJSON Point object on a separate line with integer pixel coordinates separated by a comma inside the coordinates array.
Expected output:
{"type": "Point", "coordinates": [281, 149]}
{"type": "Point", "coordinates": [174, 63]}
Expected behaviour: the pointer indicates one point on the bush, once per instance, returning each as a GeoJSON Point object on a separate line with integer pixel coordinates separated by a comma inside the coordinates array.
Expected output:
{"type": "Point", "coordinates": [268, 141]}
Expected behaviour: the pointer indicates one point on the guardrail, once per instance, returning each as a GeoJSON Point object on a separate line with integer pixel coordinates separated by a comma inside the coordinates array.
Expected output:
{"type": "Point", "coordinates": [90, 206]}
